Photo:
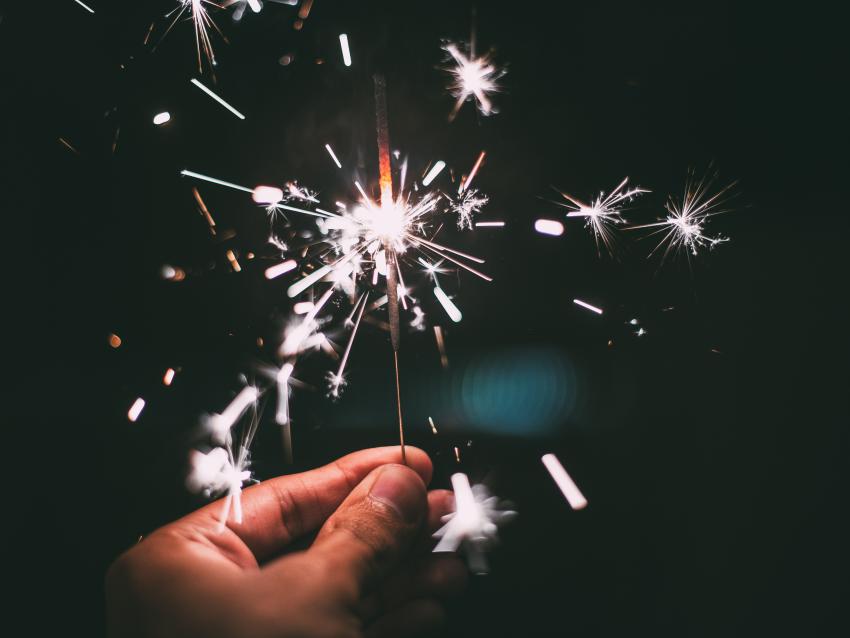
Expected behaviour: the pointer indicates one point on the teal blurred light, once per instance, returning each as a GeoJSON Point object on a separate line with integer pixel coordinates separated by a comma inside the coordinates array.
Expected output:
{"type": "Point", "coordinates": [521, 391]}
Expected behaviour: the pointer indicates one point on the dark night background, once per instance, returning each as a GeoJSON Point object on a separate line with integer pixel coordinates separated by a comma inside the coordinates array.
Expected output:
{"type": "Point", "coordinates": [714, 478]}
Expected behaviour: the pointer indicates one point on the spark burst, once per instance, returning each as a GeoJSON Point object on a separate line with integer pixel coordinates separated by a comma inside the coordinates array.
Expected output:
{"type": "Point", "coordinates": [474, 523]}
{"type": "Point", "coordinates": [201, 22]}
{"type": "Point", "coordinates": [683, 230]}
{"type": "Point", "coordinates": [472, 78]}
{"type": "Point", "coordinates": [604, 213]}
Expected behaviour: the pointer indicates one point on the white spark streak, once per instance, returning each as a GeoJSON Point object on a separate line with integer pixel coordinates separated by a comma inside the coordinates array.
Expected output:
{"type": "Point", "coordinates": [218, 99]}
{"type": "Point", "coordinates": [570, 490]}
{"type": "Point", "coordinates": [448, 305]}
{"type": "Point", "coordinates": [433, 427]}
{"type": "Point", "coordinates": [84, 6]}
{"type": "Point", "coordinates": [301, 285]}
{"type": "Point", "coordinates": [282, 378]}
{"type": "Point", "coordinates": [136, 409]}
{"type": "Point", "coordinates": [279, 269]}
{"type": "Point", "coordinates": [215, 180]}
{"type": "Point", "coordinates": [219, 424]}
{"type": "Point", "coordinates": [549, 227]}
{"type": "Point", "coordinates": [162, 118]}
{"type": "Point", "coordinates": [333, 155]}
{"type": "Point", "coordinates": [337, 381]}
{"type": "Point", "coordinates": [346, 53]}
{"type": "Point", "coordinates": [466, 182]}
{"type": "Point", "coordinates": [435, 170]}
{"type": "Point", "coordinates": [255, 5]}
{"type": "Point", "coordinates": [489, 224]}
{"type": "Point", "coordinates": [168, 377]}
{"type": "Point", "coordinates": [584, 304]}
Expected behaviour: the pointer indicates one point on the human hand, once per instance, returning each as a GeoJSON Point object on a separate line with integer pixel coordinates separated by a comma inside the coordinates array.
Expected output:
{"type": "Point", "coordinates": [368, 573]}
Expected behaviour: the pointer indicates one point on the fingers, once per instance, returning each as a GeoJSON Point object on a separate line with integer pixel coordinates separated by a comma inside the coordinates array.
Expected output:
{"type": "Point", "coordinates": [280, 510]}
{"type": "Point", "coordinates": [418, 618]}
{"type": "Point", "coordinates": [372, 529]}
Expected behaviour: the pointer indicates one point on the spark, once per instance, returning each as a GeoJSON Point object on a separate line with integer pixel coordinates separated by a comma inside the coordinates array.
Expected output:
{"type": "Point", "coordinates": [457, 454]}
{"type": "Point", "coordinates": [436, 169]}
{"type": "Point", "coordinates": [114, 341]}
{"type": "Point", "coordinates": [448, 305]}
{"type": "Point", "coordinates": [68, 145]}
{"type": "Point", "coordinates": [161, 118]}
{"type": "Point", "coordinates": [467, 205]}
{"type": "Point", "coordinates": [433, 427]}
{"type": "Point", "coordinates": [472, 78]}
{"type": "Point", "coordinates": [441, 346]}
{"type": "Point", "coordinates": [465, 183]}
{"type": "Point", "coordinates": [566, 484]}
{"type": "Point", "coordinates": [217, 472]}
{"type": "Point", "coordinates": [281, 268]}
{"type": "Point", "coordinates": [168, 377]}
{"type": "Point", "coordinates": [217, 98]}
{"type": "Point", "coordinates": [215, 180]}
{"type": "Point", "coordinates": [266, 194]}
{"type": "Point", "coordinates": [684, 227]}
{"type": "Point", "coordinates": [603, 213]}
{"type": "Point", "coordinates": [474, 523]}
{"type": "Point", "coordinates": [584, 304]}
{"type": "Point", "coordinates": [84, 6]}
{"type": "Point", "coordinates": [201, 22]}
{"type": "Point", "coordinates": [493, 224]}
{"type": "Point", "coordinates": [136, 409]}
{"type": "Point", "coordinates": [333, 155]}
{"type": "Point", "coordinates": [219, 425]}
{"type": "Point", "coordinates": [234, 263]}
{"type": "Point", "coordinates": [549, 227]}
{"type": "Point", "coordinates": [202, 207]}
{"type": "Point", "coordinates": [336, 381]}
{"type": "Point", "coordinates": [346, 53]}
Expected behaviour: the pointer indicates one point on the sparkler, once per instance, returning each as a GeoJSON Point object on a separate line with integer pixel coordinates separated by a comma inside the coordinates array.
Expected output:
{"type": "Point", "coordinates": [684, 228]}
{"type": "Point", "coordinates": [474, 523]}
{"type": "Point", "coordinates": [603, 213]}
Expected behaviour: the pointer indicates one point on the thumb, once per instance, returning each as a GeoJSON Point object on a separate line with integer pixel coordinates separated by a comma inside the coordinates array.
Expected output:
{"type": "Point", "coordinates": [372, 529]}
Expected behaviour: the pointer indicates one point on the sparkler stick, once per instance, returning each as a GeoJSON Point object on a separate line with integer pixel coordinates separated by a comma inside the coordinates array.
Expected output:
{"type": "Point", "coordinates": [386, 185]}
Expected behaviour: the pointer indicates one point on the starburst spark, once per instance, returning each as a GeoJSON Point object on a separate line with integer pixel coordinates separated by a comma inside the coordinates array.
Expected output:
{"type": "Point", "coordinates": [474, 523]}
{"type": "Point", "coordinates": [603, 213]}
{"type": "Point", "coordinates": [472, 78]}
{"type": "Point", "coordinates": [201, 22]}
{"type": "Point", "coordinates": [683, 230]}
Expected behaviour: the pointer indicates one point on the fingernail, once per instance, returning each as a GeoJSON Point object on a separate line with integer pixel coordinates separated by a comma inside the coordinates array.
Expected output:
{"type": "Point", "coordinates": [402, 489]}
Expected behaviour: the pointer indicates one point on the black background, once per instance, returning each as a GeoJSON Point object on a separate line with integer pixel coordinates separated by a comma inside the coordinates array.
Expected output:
{"type": "Point", "coordinates": [713, 478]}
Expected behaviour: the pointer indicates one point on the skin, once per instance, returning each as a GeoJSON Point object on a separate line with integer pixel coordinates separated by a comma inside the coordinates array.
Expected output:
{"type": "Point", "coordinates": [368, 572]}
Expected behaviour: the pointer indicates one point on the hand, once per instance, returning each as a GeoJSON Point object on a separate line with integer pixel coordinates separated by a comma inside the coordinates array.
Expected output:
{"type": "Point", "coordinates": [368, 572]}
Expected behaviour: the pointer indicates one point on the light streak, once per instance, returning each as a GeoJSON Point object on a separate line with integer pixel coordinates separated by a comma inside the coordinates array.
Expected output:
{"type": "Point", "coordinates": [466, 182]}
{"type": "Point", "coordinates": [337, 381]}
{"type": "Point", "coordinates": [215, 180]}
{"type": "Point", "coordinates": [266, 194]}
{"type": "Point", "coordinates": [489, 224]}
{"type": "Point", "coordinates": [566, 484]}
{"type": "Point", "coordinates": [584, 304]}
{"type": "Point", "coordinates": [161, 118]}
{"type": "Point", "coordinates": [549, 227]}
{"type": "Point", "coordinates": [278, 269]}
{"type": "Point", "coordinates": [346, 53]}
{"type": "Point", "coordinates": [435, 170]}
{"type": "Point", "coordinates": [84, 6]}
{"type": "Point", "coordinates": [433, 427]}
{"type": "Point", "coordinates": [136, 409]}
{"type": "Point", "coordinates": [441, 346]}
{"type": "Point", "coordinates": [448, 305]}
{"type": "Point", "coordinates": [168, 377]}
{"type": "Point", "coordinates": [234, 263]}
{"type": "Point", "coordinates": [219, 424]}
{"type": "Point", "coordinates": [333, 155]}
{"type": "Point", "coordinates": [218, 99]}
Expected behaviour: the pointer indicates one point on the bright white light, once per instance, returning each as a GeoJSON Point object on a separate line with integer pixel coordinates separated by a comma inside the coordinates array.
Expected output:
{"type": "Point", "coordinates": [267, 194]}
{"type": "Point", "coordinates": [303, 307]}
{"type": "Point", "coordinates": [333, 155]}
{"type": "Point", "coordinates": [84, 6]}
{"type": "Point", "coordinates": [136, 409]}
{"type": "Point", "coordinates": [217, 98]}
{"type": "Point", "coordinates": [584, 304]}
{"type": "Point", "coordinates": [549, 227]}
{"type": "Point", "coordinates": [435, 170]}
{"type": "Point", "coordinates": [570, 490]}
{"type": "Point", "coordinates": [301, 285]}
{"type": "Point", "coordinates": [255, 5]}
{"type": "Point", "coordinates": [220, 424]}
{"type": "Point", "coordinates": [346, 53]}
{"type": "Point", "coordinates": [162, 118]}
{"type": "Point", "coordinates": [489, 224]}
{"type": "Point", "coordinates": [448, 305]}
{"type": "Point", "coordinates": [278, 269]}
